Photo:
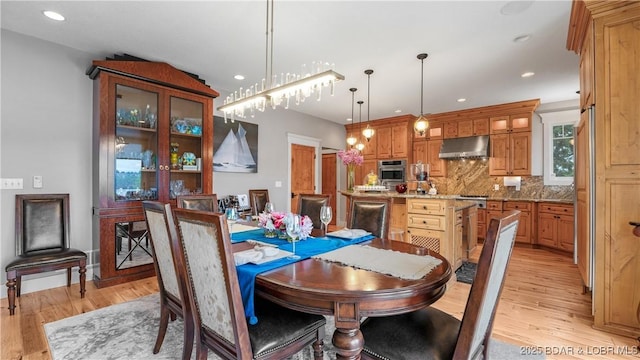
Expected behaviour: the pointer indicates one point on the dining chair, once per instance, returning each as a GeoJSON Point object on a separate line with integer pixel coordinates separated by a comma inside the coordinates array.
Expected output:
{"type": "Point", "coordinates": [310, 205]}
{"type": "Point", "coordinates": [433, 334]}
{"type": "Point", "coordinates": [162, 231]}
{"type": "Point", "coordinates": [258, 198]}
{"type": "Point", "coordinates": [204, 202]}
{"type": "Point", "coordinates": [207, 265]}
{"type": "Point", "coordinates": [370, 213]}
{"type": "Point", "coordinates": [42, 236]}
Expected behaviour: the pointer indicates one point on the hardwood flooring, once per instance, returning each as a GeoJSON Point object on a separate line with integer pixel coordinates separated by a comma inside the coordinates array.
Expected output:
{"type": "Point", "coordinates": [542, 308]}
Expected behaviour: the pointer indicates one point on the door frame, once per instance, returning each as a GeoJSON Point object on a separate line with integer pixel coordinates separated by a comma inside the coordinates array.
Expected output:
{"type": "Point", "coordinates": [306, 141]}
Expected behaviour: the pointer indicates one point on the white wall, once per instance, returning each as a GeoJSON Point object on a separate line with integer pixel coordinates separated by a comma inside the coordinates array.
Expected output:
{"type": "Point", "coordinates": [45, 129]}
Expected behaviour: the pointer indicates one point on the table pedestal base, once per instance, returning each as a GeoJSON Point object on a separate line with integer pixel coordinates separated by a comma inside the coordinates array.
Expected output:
{"type": "Point", "coordinates": [348, 343]}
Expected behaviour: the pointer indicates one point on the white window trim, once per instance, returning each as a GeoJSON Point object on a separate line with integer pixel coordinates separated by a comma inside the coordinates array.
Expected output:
{"type": "Point", "coordinates": [548, 121]}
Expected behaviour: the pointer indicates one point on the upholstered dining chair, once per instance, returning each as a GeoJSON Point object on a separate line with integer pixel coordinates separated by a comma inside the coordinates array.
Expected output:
{"type": "Point", "coordinates": [208, 267]}
{"type": "Point", "coordinates": [42, 242]}
{"type": "Point", "coordinates": [162, 231]}
{"type": "Point", "coordinates": [432, 334]}
{"type": "Point", "coordinates": [370, 213]}
{"type": "Point", "coordinates": [258, 198]}
{"type": "Point", "coordinates": [203, 202]}
{"type": "Point", "coordinates": [310, 205]}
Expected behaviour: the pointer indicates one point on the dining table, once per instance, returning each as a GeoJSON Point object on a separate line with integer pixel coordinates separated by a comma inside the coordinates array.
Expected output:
{"type": "Point", "coordinates": [350, 294]}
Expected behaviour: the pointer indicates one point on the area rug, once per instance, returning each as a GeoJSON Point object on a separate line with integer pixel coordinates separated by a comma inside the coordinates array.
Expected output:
{"type": "Point", "coordinates": [466, 272]}
{"type": "Point", "coordinates": [128, 331]}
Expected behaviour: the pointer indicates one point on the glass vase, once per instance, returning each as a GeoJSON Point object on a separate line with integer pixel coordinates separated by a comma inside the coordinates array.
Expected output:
{"type": "Point", "coordinates": [282, 233]}
{"type": "Point", "coordinates": [351, 178]}
{"type": "Point", "coordinates": [270, 233]}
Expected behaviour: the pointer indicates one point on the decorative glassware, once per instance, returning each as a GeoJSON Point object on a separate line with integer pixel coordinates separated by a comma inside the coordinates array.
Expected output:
{"type": "Point", "coordinates": [325, 216]}
{"type": "Point", "coordinates": [269, 208]}
{"type": "Point", "coordinates": [293, 230]}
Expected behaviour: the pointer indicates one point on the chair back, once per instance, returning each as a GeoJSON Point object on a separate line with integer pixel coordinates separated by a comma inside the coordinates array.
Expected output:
{"type": "Point", "coordinates": [162, 229]}
{"type": "Point", "coordinates": [480, 310]}
{"type": "Point", "coordinates": [205, 250]}
{"type": "Point", "coordinates": [205, 202]}
{"type": "Point", "coordinates": [42, 223]}
{"type": "Point", "coordinates": [371, 214]}
{"type": "Point", "coordinates": [258, 199]}
{"type": "Point", "coordinates": [310, 205]}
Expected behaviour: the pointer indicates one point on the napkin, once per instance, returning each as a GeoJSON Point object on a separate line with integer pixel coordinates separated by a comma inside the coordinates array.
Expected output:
{"type": "Point", "coordinates": [247, 256]}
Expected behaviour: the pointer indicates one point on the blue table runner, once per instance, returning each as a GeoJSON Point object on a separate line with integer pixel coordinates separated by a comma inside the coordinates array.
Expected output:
{"type": "Point", "coordinates": [305, 249]}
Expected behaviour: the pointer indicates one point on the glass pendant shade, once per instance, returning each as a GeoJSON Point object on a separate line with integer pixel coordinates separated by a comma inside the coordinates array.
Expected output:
{"type": "Point", "coordinates": [422, 124]}
{"type": "Point", "coordinates": [368, 133]}
{"type": "Point", "coordinates": [360, 146]}
{"type": "Point", "coordinates": [351, 140]}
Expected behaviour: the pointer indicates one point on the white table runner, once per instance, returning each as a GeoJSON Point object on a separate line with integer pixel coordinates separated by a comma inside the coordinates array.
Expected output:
{"type": "Point", "coordinates": [237, 228]}
{"type": "Point", "coordinates": [394, 263]}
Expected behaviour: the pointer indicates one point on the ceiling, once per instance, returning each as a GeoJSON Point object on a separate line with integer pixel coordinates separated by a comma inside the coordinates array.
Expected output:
{"type": "Point", "coordinates": [471, 47]}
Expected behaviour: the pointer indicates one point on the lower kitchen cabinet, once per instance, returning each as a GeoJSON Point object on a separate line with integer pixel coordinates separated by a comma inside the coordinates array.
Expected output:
{"type": "Point", "coordinates": [555, 226]}
{"type": "Point", "coordinates": [524, 234]}
{"type": "Point", "coordinates": [482, 224]}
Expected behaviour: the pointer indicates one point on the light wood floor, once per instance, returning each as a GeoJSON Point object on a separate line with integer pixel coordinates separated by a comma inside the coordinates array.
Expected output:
{"type": "Point", "coordinates": [541, 306]}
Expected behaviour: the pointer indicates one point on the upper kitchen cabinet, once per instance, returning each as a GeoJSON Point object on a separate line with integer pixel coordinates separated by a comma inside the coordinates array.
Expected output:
{"type": "Point", "coordinates": [435, 131]}
{"type": "Point", "coordinates": [383, 134]}
{"type": "Point", "coordinates": [480, 126]}
{"type": "Point", "coordinates": [510, 123]}
{"type": "Point", "coordinates": [428, 151]}
{"type": "Point", "coordinates": [608, 70]}
{"type": "Point", "coordinates": [151, 124]}
{"type": "Point", "coordinates": [510, 154]}
{"type": "Point", "coordinates": [391, 139]}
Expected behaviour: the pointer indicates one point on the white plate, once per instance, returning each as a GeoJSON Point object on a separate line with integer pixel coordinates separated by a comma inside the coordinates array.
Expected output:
{"type": "Point", "coordinates": [349, 234]}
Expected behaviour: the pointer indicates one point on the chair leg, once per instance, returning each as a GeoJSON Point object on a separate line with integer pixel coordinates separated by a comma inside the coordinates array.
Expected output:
{"type": "Point", "coordinates": [162, 330]}
{"type": "Point", "coordinates": [11, 292]}
{"type": "Point", "coordinates": [188, 335]}
{"type": "Point", "coordinates": [18, 285]}
{"type": "Point", "coordinates": [318, 345]}
{"type": "Point", "coordinates": [83, 277]}
{"type": "Point", "coordinates": [69, 277]}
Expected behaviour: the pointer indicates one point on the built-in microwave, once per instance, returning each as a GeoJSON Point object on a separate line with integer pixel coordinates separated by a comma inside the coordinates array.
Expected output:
{"type": "Point", "coordinates": [392, 171]}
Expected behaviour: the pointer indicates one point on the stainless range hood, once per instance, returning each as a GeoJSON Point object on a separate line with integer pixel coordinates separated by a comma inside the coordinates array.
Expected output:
{"type": "Point", "coordinates": [467, 147]}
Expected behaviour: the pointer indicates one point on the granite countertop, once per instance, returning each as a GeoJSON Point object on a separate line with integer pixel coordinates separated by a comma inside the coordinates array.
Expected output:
{"type": "Point", "coordinates": [448, 196]}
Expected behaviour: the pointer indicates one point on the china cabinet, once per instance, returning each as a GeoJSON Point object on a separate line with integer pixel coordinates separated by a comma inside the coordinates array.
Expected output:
{"type": "Point", "coordinates": [152, 140]}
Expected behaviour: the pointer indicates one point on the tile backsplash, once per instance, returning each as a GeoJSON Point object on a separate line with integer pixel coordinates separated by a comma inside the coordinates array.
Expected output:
{"type": "Point", "coordinates": [472, 177]}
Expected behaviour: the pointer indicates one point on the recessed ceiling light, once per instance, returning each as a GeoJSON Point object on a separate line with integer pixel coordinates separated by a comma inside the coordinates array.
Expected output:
{"type": "Point", "coordinates": [515, 7]}
{"type": "Point", "coordinates": [462, 100]}
{"type": "Point", "coordinates": [397, 111]}
{"type": "Point", "coordinates": [521, 38]}
{"type": "Point", "coordinates": [239, 77]}
{"type": "Point", "coordinates": [53, 15]}
{"type": "Point", "coordinates": [528, 74]}
{"type": "Point", "coordinates": [349, 119]}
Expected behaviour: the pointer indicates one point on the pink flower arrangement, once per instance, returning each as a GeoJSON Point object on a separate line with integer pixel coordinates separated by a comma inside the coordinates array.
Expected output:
{"type": "Point", "coordinates": [276, 220]}
{"type": "Point", "coordinates": [351, 157]}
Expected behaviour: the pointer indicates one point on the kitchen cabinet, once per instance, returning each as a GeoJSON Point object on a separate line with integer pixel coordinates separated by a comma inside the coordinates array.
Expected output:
{"type": "Point", "coordinates": [434, 132]}
{"type": "Point", "coordinates": [428, 151]}
{"type": "Point", "coordinates": [482, 224]}
{"type": "Point", "coordinates": [555, 226]}
{"type": "Point", "coordinates": [481, 126]}
{"type": "Point", "coordinates": [392, 142]}
{"type": "Point", "coordinates": [362, 171]}
{"type": "Point", "coordinates": [466, 128]}
{"type": "Point", "coordinates": [146, 139]}
{"type": "Point", "coordinates": [383, 139]}
{"type": "Point", "coordinates": [469, 230]}
{"type": "Point", "coordinates": [524, 234]}
{"type": "Point", "coordinates": [510, 154]}
{"type": "Point", "coordinates": [459, 249]}
{"type": "Point", "coordinates": [583, 199]}
{"type": "Point", "coordinates": [370, 147]}
{"type": "Point", "coordinates": [607, 36]}
{"type": "Point", "coordinates": [451, 129]}
{"type": "Point", "coordinates": [510, 123]}
{"type": "Point", "coordinates": [430, 224]}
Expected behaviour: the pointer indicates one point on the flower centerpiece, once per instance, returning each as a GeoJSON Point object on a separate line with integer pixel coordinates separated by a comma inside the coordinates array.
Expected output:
{"type": "Point", "coordinates": [351, 158]}
{"type": "Point", "coordinates": [274, 225]}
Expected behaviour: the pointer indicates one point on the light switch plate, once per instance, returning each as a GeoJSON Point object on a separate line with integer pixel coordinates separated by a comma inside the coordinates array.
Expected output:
{"type": "Point", "coordinates": [496, 187]}
{"type": "Point", "coordinates": [37, 181]}
{"type": "Point", "coordinates": [278, 184]}
{"type": "Point", "coordinates": [11, 184]}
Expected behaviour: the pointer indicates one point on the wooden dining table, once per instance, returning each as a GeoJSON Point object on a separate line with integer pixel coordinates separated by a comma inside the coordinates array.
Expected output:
{"type": "Point", "coordinates": [349, 294]}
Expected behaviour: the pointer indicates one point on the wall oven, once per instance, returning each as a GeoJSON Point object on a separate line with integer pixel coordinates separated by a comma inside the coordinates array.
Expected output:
{"type": "Point", "coordinates": [392, 172]}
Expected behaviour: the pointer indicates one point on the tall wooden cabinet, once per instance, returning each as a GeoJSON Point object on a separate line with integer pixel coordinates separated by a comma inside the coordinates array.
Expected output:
{"type": "Point", "coordinates": [614, 45]}
{"type": "Point", "coordinates": [152, 140]}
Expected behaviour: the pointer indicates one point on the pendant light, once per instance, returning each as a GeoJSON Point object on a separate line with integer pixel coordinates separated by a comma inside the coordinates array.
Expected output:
{"type": "Point", "coordinates": [352, 140]}
{"type": "Point", "coordinates": [422, 124]}
{"type": "Point", "coordinates": [360, 145]}
{"type": "Point", "coordinates": [368, 132]}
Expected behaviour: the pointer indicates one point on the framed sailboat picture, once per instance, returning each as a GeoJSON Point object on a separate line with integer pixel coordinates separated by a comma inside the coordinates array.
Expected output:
{"type": "Point", "coordinates": [235, 146]}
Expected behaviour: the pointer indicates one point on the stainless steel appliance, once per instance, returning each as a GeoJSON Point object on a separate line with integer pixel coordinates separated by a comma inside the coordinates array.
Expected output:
{"type": "Point", "coordinates": [392, 172]}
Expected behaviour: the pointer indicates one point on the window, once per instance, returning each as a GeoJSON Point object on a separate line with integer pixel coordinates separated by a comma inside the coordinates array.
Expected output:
{"type": "Point", "coordinates": [559, 156]}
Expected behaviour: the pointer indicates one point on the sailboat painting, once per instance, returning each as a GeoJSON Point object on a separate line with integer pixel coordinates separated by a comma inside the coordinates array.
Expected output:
{"type": "Point", "coordinates": [235, 146]}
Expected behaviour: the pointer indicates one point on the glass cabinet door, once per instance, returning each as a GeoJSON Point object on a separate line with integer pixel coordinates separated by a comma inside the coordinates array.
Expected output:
{"type": "Point", "coordinates": [185, 148]}
{"type": "Point", "coordinates": [136, 144]}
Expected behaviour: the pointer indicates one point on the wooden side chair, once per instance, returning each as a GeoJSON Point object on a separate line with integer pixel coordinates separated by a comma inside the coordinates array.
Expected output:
{"type": "Point", "coordinates": [257, 199]}
{"type": "Point", "coordinates": [432, 334]}
{"type": "Point", "coordinates": [42, 242]}
{"type": "Point", "coordinates": [162, 231]}
{"type": "Point", "coordinates": [310, 205]}
{"type": "Point", "coordinates": [371, 214]}
{"type": "Point", "coordinates": [204, 202]}
{"type": "Point", "coordinates": [208, 267]}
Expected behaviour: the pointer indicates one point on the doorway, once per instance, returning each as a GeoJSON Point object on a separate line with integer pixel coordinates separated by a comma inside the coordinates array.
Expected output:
{"type": "Point", "coordinates": [304, 167]}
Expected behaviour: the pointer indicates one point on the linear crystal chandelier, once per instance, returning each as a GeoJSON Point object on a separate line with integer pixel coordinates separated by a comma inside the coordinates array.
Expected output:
{"type": "Point", "coordinates": [280, 90]}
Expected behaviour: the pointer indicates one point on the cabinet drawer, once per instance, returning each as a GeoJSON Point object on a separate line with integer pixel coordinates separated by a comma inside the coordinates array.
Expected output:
{"type": "Point", "coordinates": [431, 240]}
{"type": "Point", "coordinates": [517, 205]}
{"type": "Point", "coordinates": [427, 222]}
{"type": "Point", "coordinates": [494, 205]}
{"type": "Point", "coordinates": [425, 206]}
{"type": "Point", "coordinates": [559, 209]}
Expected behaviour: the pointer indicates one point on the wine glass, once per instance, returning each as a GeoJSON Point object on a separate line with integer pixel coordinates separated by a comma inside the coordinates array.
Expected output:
{"type": "Point", "coordinates": [293, 230]}
{"type": "Point", "coordinates": [269, 208]}
{"type": "Point", "coordinates": [232, 217]}
{"type": "Point", "coordinates": [325, 216]}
